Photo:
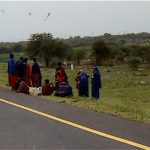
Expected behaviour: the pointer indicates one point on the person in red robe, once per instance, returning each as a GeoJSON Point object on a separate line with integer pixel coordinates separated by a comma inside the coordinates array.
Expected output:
{"type": "Point", "coordinates": [23, 88]}
{"type": "Point", "coordinates": [60, 75]}
{"type": "Point", "coordinates": [36, 74]}
{"type": "Point", "coordinates": [27, 73]}
{"type": "Point", "coordinates": [12, 75]}
{"type": "Point", "coordinates": [77, 79]}
{"type": "Point", "coordinates": [47, 88]}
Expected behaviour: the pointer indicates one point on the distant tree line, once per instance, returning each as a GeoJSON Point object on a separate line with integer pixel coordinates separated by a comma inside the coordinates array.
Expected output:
{"type": "Point", "coordinates": [12, 47]}
{"type": "Point", "coordinates": [107, 49]}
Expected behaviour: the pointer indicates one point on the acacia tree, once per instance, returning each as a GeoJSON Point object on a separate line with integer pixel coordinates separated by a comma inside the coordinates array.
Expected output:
{"type": "Point", "coordinates": [101, 51]}
{"type": "Point", "coordinates": [46, 47]}
{"type": "Point", "coordinates": [35, 43]}
{"type": "Point", "coordinates": [46, 50]}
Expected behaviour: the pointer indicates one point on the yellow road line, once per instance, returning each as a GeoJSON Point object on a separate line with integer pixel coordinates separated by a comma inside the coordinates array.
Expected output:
{"type": "Point", "coordinates": [79, 126]}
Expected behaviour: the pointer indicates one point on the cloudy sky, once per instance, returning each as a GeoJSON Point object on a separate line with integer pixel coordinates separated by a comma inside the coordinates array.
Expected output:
{"type": "Point", "coordinates": [19, 19]}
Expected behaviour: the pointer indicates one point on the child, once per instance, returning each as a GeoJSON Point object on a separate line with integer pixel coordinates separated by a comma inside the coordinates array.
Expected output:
{"type": "Point", "coordinates": [47, 88]}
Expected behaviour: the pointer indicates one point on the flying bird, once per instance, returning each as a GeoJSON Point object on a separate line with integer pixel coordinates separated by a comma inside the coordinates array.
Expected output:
{"type": "Point", "coordinates": [47, 16]}
{"type": "Point", "coordinates": [29, 13]}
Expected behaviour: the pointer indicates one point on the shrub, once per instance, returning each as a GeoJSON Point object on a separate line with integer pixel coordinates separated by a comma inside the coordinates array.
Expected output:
{"type": "Point", "coordinates": [134, 62]}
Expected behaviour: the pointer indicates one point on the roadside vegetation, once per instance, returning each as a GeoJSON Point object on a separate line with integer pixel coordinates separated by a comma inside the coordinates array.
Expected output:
{"type": "Point", "coordinates": [124, 61]}
{"type": "Point", "coordinates": [125, 93]}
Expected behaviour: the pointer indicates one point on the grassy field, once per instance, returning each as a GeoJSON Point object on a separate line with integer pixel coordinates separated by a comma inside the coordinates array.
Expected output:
{"type": "Point", "coordinates": [125, 93]}
{"type": "Point", "coordinates": [4, 57]}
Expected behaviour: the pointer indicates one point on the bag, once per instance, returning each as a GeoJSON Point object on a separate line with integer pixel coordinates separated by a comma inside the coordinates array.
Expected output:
{"type": "Point", "coordinates": [35, 91]}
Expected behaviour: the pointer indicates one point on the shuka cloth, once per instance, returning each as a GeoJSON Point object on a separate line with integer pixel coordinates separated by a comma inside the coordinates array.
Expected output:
{"type": "Point", "coordinates": [84, 85]}
{"type": "Point", "coordinates": [12, 76]}
{"type": "Point", "coordinates": [96, 83]}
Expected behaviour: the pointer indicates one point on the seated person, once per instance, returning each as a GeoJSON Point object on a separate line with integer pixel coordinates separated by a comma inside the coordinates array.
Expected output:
{"type": "Point", "coordinates": [60, 75]}
{"type": "Point", "coordinates": [64, 90]}
{"type": "Point", "coordinates": [47, 88]}
{"type": "Point", "coordinates": [23, 88]}
{"type": "Point", "coordinates": [16, 85]}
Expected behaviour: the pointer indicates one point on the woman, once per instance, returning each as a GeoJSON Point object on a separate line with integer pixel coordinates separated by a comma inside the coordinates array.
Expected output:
{"type": "Point", "coordinates": [36, 74]}
{"type": "Point", "coordinates": [27, 73]}
{"type": "Point", "coordinates": [83, 84]}
{"type": "Point", "coordinates": [60, 75]}
{"type": "Point", "coordinates": [96, 83]}
{"type": "Point", "coordinates": [12, 75]}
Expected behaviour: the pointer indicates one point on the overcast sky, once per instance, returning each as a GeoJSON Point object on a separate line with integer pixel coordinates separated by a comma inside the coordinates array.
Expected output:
{"type": "Point", "coordinates": [19, 19]}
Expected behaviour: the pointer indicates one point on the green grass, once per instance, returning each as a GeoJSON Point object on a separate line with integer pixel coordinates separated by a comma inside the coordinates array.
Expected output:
{"type": "Point", "coordinates": [123, 94]}
{"type": "Point", "coordinates": [4, 57]}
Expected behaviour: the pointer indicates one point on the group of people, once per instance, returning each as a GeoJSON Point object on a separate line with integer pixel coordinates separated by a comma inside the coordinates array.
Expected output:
{"type": "Point", "coordinates": [22, 76]}
{"type": "Point", "coordinates": [83, 83]}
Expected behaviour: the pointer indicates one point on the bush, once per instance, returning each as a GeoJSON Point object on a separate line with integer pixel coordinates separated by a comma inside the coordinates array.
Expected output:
{"type": "Point", "coordinates": [134, 62]}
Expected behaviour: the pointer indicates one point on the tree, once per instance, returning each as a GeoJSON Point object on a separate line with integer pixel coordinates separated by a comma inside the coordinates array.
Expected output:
{"type": "Point", "coordinates": [46, 47]}
{"type": "Point", "coordinates": [101, 51]}
{"type": "Point", "coordinates": [116, 53]}
{"type": "Point", "coordinates": [17, 48]}
{"type": "Point", "coordinates": [79, 54]}
{"type": "Point", "coordinates": [147, 55]}
{"type": "Point", "coordinates": [46, 51]}
{"type": "Point", "coordinates": [134, 62]}
{"type": "Point", "coordinates": [35, 43]}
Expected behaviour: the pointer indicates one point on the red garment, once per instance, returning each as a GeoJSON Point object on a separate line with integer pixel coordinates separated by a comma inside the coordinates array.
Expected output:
{"type": "Point", "coordinates": [78, 82]}
{"type": "Point", "coordinates": [65, 77]}
{"type": "Point", "coordinates": [23, 88]}
{"type": "Point", "coordinates": [61, 75]}
{"type": "Point", "coordinates": [12, 79]}
{"type": "Point", "coordinates": [28, 75]}
{"type": "Point", "coordinates": [47, 89]}
{"type": "Point", "coordinates": [36, 80]}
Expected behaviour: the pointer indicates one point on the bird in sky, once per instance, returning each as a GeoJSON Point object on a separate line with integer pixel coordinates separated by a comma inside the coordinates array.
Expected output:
{"type": "Point", "coordinates": [47, 16]}
{"type": "Point", "coordinates": [29, 13]}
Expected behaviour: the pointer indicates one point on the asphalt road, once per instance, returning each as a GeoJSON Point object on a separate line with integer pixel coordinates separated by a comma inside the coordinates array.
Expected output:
{"type": "Point", "coordinates": [22, 129]}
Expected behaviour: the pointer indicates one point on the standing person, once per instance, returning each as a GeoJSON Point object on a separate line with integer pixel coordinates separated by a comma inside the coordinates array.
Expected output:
{"type": "Point", "coordinates": [27, 73]}
{"type": "Point", "coordinates": [96, 83]}
{"type": "Point", "coordinates": [12, 76]}
{"type": "Point", "coordinates": [60, 75]}
{"type": "Point", "coordinates": [36, 74]}
{"type": "Point", "coordinates": [77, 79]}
{"type": "Point", "coordinates": [21, 68]}
{"type": "Point", "coordinates": [84, 85]}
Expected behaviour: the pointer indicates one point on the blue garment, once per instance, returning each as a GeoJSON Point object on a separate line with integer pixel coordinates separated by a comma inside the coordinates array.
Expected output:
{"type": "Point", "coordinates": [84, 85]}
{"type": "Point", "coordinates": [11, 67]}
{"type": "Point", "coordinates": [96, 83]}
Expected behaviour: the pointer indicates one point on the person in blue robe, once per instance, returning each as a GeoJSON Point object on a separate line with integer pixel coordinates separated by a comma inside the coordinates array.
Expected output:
{"type": "Point", "coordinates": [12, 77]}
{"type": "Point", "coordinates": [96, 83]}
{"type": "Point", "coordinates": [84, 84]}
